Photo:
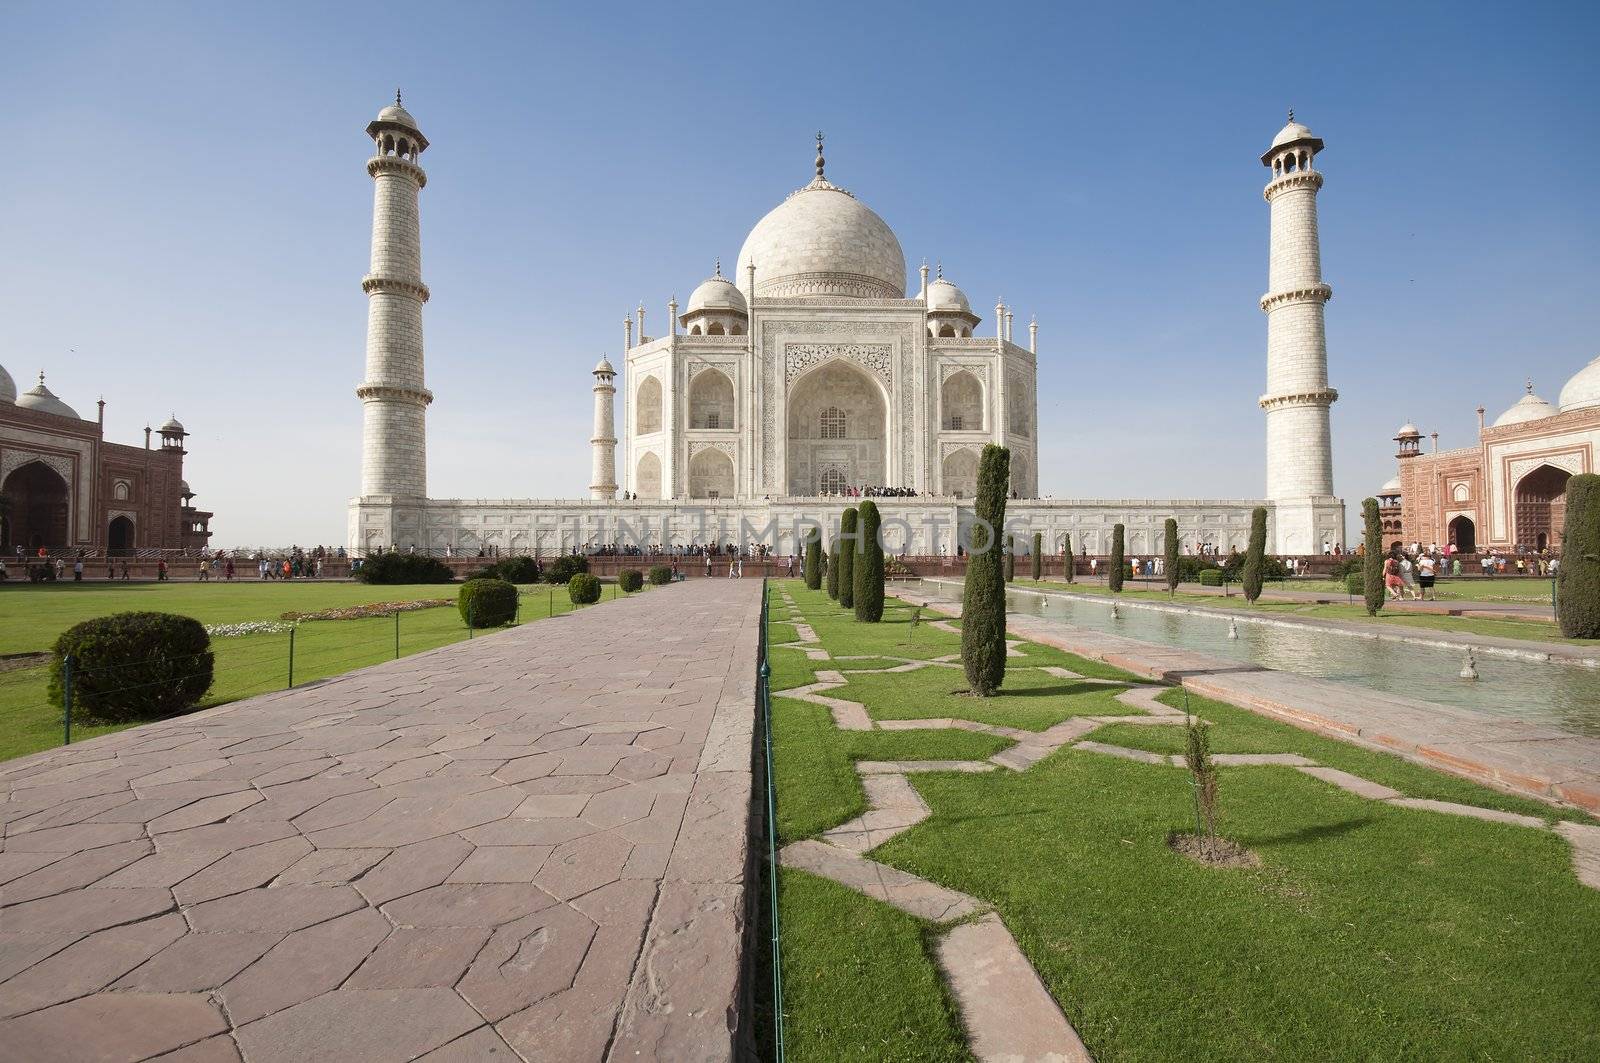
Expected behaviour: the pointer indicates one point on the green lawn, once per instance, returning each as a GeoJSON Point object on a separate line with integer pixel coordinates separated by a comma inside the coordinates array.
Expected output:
{"type": "Point", "coordinates": [1537, 630]}
{"type": "Point", "coordinates": [1528, 590]}
{"type": "Point", "coordinates": [31, 616]}
{"type": "Point", "coordinates": [1368, 932]}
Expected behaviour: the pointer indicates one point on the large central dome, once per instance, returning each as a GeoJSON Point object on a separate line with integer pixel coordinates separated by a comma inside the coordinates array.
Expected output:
{"type": "Point", "coordinates": [824, 241]}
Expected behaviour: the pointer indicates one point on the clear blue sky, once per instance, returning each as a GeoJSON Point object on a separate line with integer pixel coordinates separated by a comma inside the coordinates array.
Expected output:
{"type": "Point", "coordinates": [185, 204]}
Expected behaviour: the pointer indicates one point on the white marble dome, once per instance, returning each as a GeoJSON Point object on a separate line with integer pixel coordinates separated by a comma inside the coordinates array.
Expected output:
{"type": "Point", "coordinates": [43, 400]}
{"type": "Point", "coordinates": [8, 387]}
{"type": "Point", "coordinates": [824, 241]}
{"type": "Point", "coordinates": [173, 424]}
{"type": "Point", "coordinates": [1390, 488]}
{"type": "Point", "coordinates": [1583, 390]}
{"type": "Point", "coordinates": [942, 295]}
{"type": "Point", "coordinates": [603, 366]}
{"type": "Point", "coordinates": [717, 293]}
{"type": "Point", "coordinates": [1528, 408]}
{"type": "Point", "coordinates": [1409, 429]}
{"type": "Point", "coordinates": [398, 114]}
{"type": "Point", "coordinates": [1290, 133]}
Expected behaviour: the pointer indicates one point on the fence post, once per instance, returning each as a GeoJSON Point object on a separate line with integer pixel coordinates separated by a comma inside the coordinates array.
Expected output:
{"type": "Point", "coordinates": [66, 717]}
{"type": "Point", "coordinates": [291, 658]}
{"type": "Point", "coordinates": [469, 618]}
{"type": "Point", "coordinates": [397, 634]}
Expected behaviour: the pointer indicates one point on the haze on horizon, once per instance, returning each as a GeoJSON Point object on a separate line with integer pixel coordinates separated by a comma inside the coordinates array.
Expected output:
{"type": "Point", "coordinates": [188, 216]}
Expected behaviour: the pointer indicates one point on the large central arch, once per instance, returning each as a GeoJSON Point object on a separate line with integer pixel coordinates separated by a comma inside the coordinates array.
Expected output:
{"type": "Point", "coordinates": [38, 506]}
{"type": "Point", "coordinates": [838, 425]}
{"type": "Point", "coordinates": [1541, 507]}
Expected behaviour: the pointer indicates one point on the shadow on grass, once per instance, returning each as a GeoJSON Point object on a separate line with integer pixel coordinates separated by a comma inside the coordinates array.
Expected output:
{"type": "Point", "coordinates": [1307, 835]}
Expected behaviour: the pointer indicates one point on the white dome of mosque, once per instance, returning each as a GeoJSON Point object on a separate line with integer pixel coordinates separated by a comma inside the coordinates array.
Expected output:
{"type": "Point", "coordinates": [1290, 133]}
{"type": "Point", "coordinates": [1582, 391]}
{"type": "Point", "coordinates": [603, 366]}
{"type": "Point", "coordinates": [8, 387]}
{"type": "Point", "coordinates": [1528, 408]}
{"type": "Point", "coordinates": [824, 241]}
{"type": "Point", "coordinates": [41, 399]}
{"type": "Point", "coordinates": [172, 425]}
{"type": "Point", "coordinates": [1408, 429]}
{"type": "Point", "coordinates": [942, 295]}
{"type": "Point", "coordinates": [717, 293]}
{"type": "Point", "coordinates": [396, 113]}
{"type": "Point", "coordinates": [1390, 488]}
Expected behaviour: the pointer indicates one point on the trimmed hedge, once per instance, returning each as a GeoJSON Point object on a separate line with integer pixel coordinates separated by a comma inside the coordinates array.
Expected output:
{"type": "Point", "coordinates": [848, 520]}
{"type": "Point", "coordinates": [132, 666]}
{"type": "Point", "coordinates": [813, 559]}
{"type": "Point", "coordinates": [660, 575]}
{"type": "Point", "coordinates": [983, 599]}
{"type": "Point", "coordinates": [1036, 568]}
{"type": "Point", "coordinates": [1578, 578]}
{"type": "Point", "coordinates": [833, 571]}
{"type": "Point", "coordinates": [1169, 565]}
{"type": "Point", "coordinates": [631, 579]}
{"type": "Point", "coordinates": [487, 602]}
{"type": "Point", "coordinates": [1011, 558]}
{"type": "Point", "coordinates": [1119, 562]}
{"type": "Point", "coordinates": [1372, 560]}
{"type": "Point", "coordinates": [1210, 577]}
{"type": "Point", "coordinates": [584, 589]}
{"type": "Point", "coordinates": [563, 567]}
{"type": "Point", "coordinates": [1253, 574]}
{"type": "Point", "coordinates": [394, 568]}
{"type": "Point", "coordinates": [866, 571]}
{"type": "Point", "coordinates": [1068, 562]}
{"type": "Point", "coordinates": [513, 570]}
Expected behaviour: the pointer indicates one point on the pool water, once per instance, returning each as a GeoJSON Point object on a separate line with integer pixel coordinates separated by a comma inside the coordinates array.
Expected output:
{"type": "Point", "coordinates": [1560, 695]}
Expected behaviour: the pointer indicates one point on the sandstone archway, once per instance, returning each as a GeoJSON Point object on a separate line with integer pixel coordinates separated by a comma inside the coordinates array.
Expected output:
{"type": "Point", "coordinates": [38, 506]}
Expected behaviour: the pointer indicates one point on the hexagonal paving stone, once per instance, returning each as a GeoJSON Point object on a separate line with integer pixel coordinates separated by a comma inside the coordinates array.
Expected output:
{"type": "Point", "coordinates": [527, 960]}
{"type": "Point", "coordinates": [360, 1026]}
{"type": "Point", "coordinates": [111, 1028]}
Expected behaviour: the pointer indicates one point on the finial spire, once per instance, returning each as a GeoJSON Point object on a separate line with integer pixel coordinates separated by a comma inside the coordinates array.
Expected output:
{"type": "Point", "coordinates": [1291, 114]}
{"type": "Point", "coordinates": [719, 265]}
{"type": "Point", "coordinates": [397, 97]}
{"type": "Point", "coordinates": [820, 160]}
{"type": "Point", "coordinates": [939, 270]}
{"type": "Point", "coordinates": [1530, 385]}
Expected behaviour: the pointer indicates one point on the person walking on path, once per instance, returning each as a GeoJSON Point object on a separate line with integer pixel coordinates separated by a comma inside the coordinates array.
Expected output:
{"type": "Point", "coordinates": [77, 570]}
{"type": "Point", "coordinates": [203, 573]}
{"type": "Point", "coordinates": [1426, 566]}
{"type": "Point", "coordinates": [161, 569]}
{"type": "Point", "coordinates": [1391, 577]}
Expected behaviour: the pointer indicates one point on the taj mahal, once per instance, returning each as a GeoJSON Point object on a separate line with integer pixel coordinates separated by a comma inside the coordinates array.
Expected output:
{"type": "Point", "coordinates": [812, 370]}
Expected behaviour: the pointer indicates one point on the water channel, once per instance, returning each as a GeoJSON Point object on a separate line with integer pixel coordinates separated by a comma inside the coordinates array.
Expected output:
{"type": "Point", "coordinates": [1560, 695]}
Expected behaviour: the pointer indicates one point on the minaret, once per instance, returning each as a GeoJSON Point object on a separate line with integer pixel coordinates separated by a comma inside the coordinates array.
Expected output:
{"type": "Point", "coordinates": [603, 477]}
{"type": "Point", "coordinates": [1299, 444]}
{"type": "Point", "coordinates": [394, 400]}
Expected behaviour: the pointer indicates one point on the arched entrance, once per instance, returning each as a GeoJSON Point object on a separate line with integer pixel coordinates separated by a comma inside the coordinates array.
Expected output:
{"type": "Point", "coordinates": [711, 475]}
{"type": "Point", "coordinates": [711, 400]}
{"type": "Point", "coordinates": [119, 536]}
{"type": "Point", "coordinates": [961, 474]}
{"type": "Point", "coordinates": [1541, 508]}
{"type": "Point", "coordinates": [647, 476]}
{"type": "Point", "coordinates": [37, 508]}
{"type": "Point", "coordinates": [962, 399]}
{"type": "Point", "coordinates": [838, 423]}
{"type": "Point", "coordinates": [1464, 535]}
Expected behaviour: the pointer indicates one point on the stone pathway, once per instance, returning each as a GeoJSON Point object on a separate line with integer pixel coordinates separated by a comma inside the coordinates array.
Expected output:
{"type": "Point", "coordinates": [1005, 1008]}
{"type": "Point", "coordinates": [531, 845]}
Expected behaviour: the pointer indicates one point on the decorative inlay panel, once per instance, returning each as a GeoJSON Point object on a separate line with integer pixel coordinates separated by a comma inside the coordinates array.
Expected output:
{"type": "Point", "coordinates": [876, 357]}
{"type": "Point", "coordinates": [16, 459]}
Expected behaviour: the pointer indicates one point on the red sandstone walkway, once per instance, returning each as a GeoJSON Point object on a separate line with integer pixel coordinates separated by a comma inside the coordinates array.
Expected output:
{"type": "Point", "coordinates": [528, 845]}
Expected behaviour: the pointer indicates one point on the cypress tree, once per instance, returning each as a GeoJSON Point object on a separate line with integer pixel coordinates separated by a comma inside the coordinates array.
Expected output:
{"type": "Point", "coordinates": [1038, 556]}
{"type": "Point", "coordinates": [983, 600]}
{"type": "Point", "coordinates": [1011, 558]}
{"type": "Point", "coordinates": [1578, 578]}
{"type": "Point", "coordinates": [1171, 563]}
{"type": "Point", "coordinates": [1255, 555]}
{"type": "Point", "coordinates": [847, 557]}
{"type": "Point", "coordinates": [1114, 573]}
{"type": "Point", "coordinates": [867, 569]}
{"type": "Point", "coordinates": [833, 571]}
{"type": "Point", "coordinates": [813, 563]}
{"type": "Point", "coordinates": [1372, 559]}
{"type": "Point", "coordinates": [1069, 562]}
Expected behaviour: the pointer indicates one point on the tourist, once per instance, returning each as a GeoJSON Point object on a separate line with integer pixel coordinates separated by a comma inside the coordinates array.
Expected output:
{"type": "Point", "coordinates": [3, 573]}
{"type": "Point", "coordinates": [229, 570]}
{"type": "Point", "coordinates": [161, 569]}
{"type": "Point", "coordinates": [125, 569]}
{"type": "Point", "coordinates": [203, 573]}
{"type": "Point", "coordinates": [1391, 577]}
{"type": "Point", "coordinates": [1425, 574]}
{"type": "Point", "coordinates": [111, 569]}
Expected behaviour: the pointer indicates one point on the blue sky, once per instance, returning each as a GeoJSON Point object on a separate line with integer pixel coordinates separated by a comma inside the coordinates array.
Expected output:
{"type": "Point", "coordinates": [185, 214]}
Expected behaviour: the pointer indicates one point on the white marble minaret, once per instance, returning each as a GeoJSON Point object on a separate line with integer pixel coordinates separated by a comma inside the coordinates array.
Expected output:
{"type": "Point", "coordinates": [1299, 443]}
{"type": "Point", "coordinates": [394, 460]}
{"type": "Point", "coordinates": [603, 476]}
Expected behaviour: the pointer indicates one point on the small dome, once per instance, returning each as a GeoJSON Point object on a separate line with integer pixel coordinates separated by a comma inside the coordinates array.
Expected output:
{"type": "Point", "coordinates": [942, 295]}
{"type": "Point", "coordinates": [172, 425]}
{"type": "Point", "coordinates": [8, 387]}
{"type": "Point", "coordinates": [1390, 488]}
{"type": "Point", "coordinates": [1528, 408]}
{"type": "Point", "coordinates": [183, 489]}
{"type": "Point", "coordinates": [1290, 133]}
{"type": "Point", "coordinates": [604, 366]}
{"type": "Point", "coordinates": [1409, 429]}
{"type": "Point", "coordinates": [41, 399]}
{"type": "Point", "coordinates": [1580, 393]}
{"type": "Point", "coordinates": [396, 113]}
{"type": "Point", "coordinates": [717, 293]}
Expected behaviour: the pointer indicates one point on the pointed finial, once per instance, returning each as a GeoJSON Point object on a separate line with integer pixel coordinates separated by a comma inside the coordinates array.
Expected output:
{"type": "Point", "coordinates": [397, 97]}
{"type": "Point", "coordinates": [719, 265]}
{"type": "Point", "coordinates": [41, 378]}
{"type": "Point", "coordinates": [1530, 385]}
{"type": "Point", "coordinates": [1291, 114]}
{"type": "Point", "coordinates": [820, 160]}
{"type": "Point", "coordinates": [939, 271]}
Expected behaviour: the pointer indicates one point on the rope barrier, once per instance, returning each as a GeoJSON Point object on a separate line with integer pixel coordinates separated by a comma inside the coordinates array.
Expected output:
{"type": "Point", "coordinates": [764, 674]}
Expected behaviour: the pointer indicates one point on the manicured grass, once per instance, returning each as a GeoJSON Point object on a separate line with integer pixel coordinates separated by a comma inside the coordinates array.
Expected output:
{"type": "Point", "coordinates": [1528, 590]}
{"type": "Point", "coordinates": [858, 979]}
{"type": "Point", "coordinates": [245, 665]}
{"type": "Point", "coordinates": [1369, 931]}
{"type": "Point", "coordinates": [1536, 630]}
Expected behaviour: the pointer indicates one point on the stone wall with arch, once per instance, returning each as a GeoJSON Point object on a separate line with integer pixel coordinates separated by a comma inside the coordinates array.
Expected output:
{"type": "Point", "coordinates": [711, 473]}
{"type": "Point", "coordinates": [711, 400]}
{"type": "Point", "coordinates": [647, 475]}
{"type": "Point", "coordinates": [647, 407]}
{"type": "Point", "coordinates": [837, 392]}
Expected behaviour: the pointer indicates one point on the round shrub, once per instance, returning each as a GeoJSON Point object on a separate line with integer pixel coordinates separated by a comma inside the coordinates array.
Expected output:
{"type": "Point", "coordinates": [487, 602]}
{"type": "Point", "coordinates": [1211, 577]}
{"type": "Point", "coordinates": [513, 570]}
{"type": "Point", "coordinates": [404, 568]}
{"type": "Point", "coordinates": [132, 666]}
{"type": "Point", "coordinates": [631, 579]}
{"type": "Point", "coordinates": [660, 575]}
{"type": "Point", "coordinates": [584, 589]}
{"type": "Point", "coordinates": [562, 569]}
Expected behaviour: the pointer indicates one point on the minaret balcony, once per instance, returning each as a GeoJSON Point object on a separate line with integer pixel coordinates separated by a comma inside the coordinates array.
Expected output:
{"type": "Point", "coordinates": [1311, 397]}
{"type": "Point", "coordinates": [382, 164]}
{"type": "Point", "coordinates": [1301, 179]}
{"type": "Point", "coordinates": [394, 285]}
{"type": "Point", "coordinates": [1311, 293]}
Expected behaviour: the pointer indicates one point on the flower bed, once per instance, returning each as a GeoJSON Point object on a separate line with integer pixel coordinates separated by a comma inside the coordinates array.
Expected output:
{"type": "Point", "coordinates": [364, 612]}
{"type": "Point", "coordinates": [248, 627]}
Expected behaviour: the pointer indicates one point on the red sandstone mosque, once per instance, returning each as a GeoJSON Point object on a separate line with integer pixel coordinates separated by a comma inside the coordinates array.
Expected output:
{"type": "Point", "coordinates": [64, 489]}
{"type": "Point", "coordinates": [1507, 493]}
